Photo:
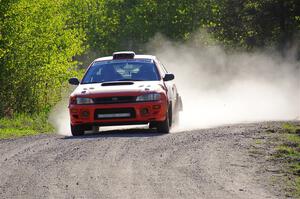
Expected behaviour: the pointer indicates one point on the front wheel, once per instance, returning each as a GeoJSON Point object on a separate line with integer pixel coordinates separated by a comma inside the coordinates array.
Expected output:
{"type": "Point", "coordinates": [152, 125]}
{"type": "Point", "coordinates": [77, 130]}
{"type": "Point", "coordinates": [165, 126]}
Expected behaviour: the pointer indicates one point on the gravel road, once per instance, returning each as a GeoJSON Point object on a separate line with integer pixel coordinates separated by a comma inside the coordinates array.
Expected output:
{"type": "Point", "coordinates": [137, 163]}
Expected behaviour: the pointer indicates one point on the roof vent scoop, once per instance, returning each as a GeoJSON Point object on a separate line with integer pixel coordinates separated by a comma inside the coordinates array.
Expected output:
{"type": "Point", "coordinates": [124, 55]}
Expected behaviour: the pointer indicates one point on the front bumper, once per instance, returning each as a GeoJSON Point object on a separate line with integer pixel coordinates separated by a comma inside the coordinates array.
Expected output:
{"type": "Point", "coordinates": [144, 112]}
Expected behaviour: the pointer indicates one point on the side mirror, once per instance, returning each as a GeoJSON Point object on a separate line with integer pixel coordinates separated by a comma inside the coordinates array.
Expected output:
{"type": "Point", "coordinates": [73, 81]}
{"type": "Point", "coordinates": [168, 77]}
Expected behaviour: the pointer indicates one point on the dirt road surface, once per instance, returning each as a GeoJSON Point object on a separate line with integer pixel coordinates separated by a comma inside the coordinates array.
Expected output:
{"type": "Point", "coordinates": [137, 163]}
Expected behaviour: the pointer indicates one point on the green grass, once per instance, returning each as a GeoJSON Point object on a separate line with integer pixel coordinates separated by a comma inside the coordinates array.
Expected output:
{"type": "Point", "coordinates": [297, 186]}
{"type": "Point", "coordinates": [294, 139]}
{"type": "Point", "coordinates": [24, 125]}
{"type": "Point", "coordinates": [289, 128]}
{"type": "Point", "coordinates": [289, 152]}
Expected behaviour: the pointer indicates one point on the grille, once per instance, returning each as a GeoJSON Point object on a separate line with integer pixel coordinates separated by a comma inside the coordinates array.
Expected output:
{"type": "Point", "coordinates": [115, 100]}
{"type": "Point", "coordinates": [114, 113]}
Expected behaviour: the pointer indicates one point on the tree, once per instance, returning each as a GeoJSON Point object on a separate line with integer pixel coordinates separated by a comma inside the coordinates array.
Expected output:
{"type": "Point", "coordinates": [38, 54]}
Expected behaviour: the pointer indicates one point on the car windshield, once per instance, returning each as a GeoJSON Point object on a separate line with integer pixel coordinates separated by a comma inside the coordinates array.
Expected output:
{"type": "Point", "coordinates": [121, 70]}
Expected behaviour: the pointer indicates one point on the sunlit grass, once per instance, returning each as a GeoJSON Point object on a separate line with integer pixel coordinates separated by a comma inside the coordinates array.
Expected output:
{"type": "Point", "coordinates": [289, 152]}
{"type": "Point", "coordinates": [286, 151]}
{"type": "Point", "coordinates": [289, 128]}
{"type": "Point", "coordinates": [24, 125]}
{"type": "Point", "coordinates": [297, 186]}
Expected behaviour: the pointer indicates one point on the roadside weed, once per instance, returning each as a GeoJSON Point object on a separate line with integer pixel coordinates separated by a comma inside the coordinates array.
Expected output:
{"type": "Point", "coordinates": [24, 125]}
{"type": "Point", "coordinates": [288, 152]}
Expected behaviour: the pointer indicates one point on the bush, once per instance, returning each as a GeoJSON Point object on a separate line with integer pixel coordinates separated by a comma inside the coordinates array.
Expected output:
{"type": "Point", "coordinates": [36, 51]}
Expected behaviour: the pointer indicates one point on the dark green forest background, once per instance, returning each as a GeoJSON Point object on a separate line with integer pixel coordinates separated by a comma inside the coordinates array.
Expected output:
{"type": "Point", "coordinates": [43, 42]}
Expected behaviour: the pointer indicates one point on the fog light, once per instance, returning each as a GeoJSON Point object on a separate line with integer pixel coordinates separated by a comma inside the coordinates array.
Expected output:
{"type": "Point", "coordinates": [85, 114]}
{"type": "Point", "coordinates": [144, 111]}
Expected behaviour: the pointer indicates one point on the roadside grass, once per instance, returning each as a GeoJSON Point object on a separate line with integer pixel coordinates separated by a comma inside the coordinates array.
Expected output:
{"type": "Point", "coordinates": [288, 152]}
{"type": "Point", "coordinates": [290, 128]}
{"type": "Point", "coordinates": [24, 125]}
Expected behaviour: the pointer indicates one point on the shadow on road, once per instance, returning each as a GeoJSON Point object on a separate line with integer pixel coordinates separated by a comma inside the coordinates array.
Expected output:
{"type": "Point", "coordinates": [139, 132]}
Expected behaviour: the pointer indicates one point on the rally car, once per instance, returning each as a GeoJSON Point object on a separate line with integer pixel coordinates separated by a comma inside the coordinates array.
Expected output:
{"type": "Point", "coordinates": [124, 89]}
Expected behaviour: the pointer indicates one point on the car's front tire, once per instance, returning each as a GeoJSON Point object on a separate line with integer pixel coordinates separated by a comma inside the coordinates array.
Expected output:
{"type": "Point", "coordinates": [77, 130]}
{"type": "Point", "coordinates": [165, 126]}
{"type": "Point", "coordinates": [152, 125]}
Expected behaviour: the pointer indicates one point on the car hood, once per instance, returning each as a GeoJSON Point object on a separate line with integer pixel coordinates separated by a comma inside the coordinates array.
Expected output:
{"type": "Point", "coordinates": [118, 87]}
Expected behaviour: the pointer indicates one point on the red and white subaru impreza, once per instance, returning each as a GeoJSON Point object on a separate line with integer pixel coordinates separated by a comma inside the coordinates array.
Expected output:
{"type": "Point", "coordinates": [124, 89]}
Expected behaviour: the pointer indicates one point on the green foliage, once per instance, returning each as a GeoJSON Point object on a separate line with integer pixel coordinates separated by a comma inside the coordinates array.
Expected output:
{"type": "Point", "coordinates": [128, 25]}
{"type": "Point", "coordinates": [22, 124]}
{"type": "Point", "coordinates": [37, 49]}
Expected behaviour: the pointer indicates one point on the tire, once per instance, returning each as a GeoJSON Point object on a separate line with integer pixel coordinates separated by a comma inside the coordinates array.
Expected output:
{"type": "Point", "coordinates": [77, 130]}
{"type": "Point", "coordinates": [165, 126]}
{"type": "Point", "coordinates": [152, 125]}
{"type": "Point", "coordinates": [95, 129]}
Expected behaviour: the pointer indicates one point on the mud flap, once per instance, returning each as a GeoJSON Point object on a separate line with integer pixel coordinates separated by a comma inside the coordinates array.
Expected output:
{"type": "Point", "coordinates": [179, 103]}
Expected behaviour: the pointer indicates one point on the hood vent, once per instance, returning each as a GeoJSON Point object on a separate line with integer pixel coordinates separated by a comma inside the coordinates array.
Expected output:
{"type": "Point", "coordinates": [116, 83]}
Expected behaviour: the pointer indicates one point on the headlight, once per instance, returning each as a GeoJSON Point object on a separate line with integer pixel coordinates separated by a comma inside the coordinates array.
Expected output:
{"type": "Point", "coordinates": [148, 97]}
{"type": "Point", "coordinates": [84, 100]}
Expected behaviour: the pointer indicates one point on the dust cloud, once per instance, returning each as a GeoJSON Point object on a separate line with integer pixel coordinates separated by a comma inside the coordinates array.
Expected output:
{"type": "Point", "coordinates": [219, 87]}
{"type": "Point", "coordinates": [60, 119]}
